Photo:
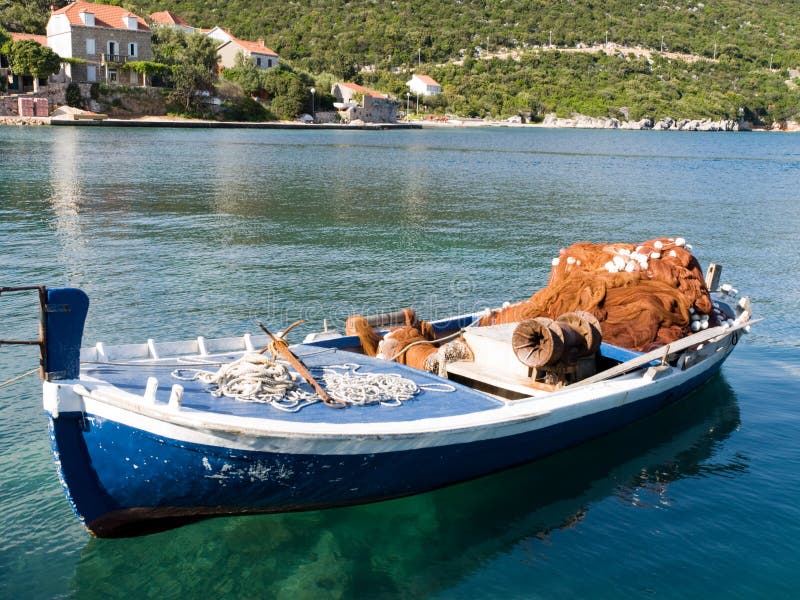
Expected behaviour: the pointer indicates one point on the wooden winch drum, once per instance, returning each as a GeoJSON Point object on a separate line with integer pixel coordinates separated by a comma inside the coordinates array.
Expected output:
{"type": "Point", "coordinates": [542, 342]}
{"type": "Point", "coordinates": [588, 326]}
{"type": "Point", "coordinates": [537, 342]}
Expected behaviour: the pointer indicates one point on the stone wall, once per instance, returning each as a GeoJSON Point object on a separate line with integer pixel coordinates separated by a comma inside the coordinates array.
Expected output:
{"type": "Point", "coordinates": [121, 101]}
{"type": "Point", "coordinates": [115, 101]}
{"type": "Point", "coordinates": [55, 94]}
{"type": "Point", "coordinates": [328, 116]}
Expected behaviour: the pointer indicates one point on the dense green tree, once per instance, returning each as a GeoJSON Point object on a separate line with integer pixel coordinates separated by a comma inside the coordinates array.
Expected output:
{"type": "Point", "coordinates": [27, 16]}
{"type": "Point", "coordinates": [286, 91]}
{"type": "Point", "coordinates": [192, 59]}
{"type": "Point", "coordinates": [245, 74]}
{"type": "Point", "coordinates": [26, 57]}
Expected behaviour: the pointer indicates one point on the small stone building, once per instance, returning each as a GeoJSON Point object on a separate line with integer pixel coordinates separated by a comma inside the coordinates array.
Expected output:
{"type": "Point", "coordinates": [358, 102]}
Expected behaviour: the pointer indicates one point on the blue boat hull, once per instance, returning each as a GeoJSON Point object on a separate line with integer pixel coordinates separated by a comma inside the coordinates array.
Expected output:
{"type": "Point", "coordinates": [124, 481]}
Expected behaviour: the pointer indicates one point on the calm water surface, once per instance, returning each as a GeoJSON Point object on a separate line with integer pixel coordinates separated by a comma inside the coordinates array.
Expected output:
{"type": "Point", "coordinates": [177, 233]}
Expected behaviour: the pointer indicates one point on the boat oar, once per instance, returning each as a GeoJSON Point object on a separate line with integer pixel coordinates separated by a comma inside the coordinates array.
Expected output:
{"type": "Point", "coordinates": [280, 346]}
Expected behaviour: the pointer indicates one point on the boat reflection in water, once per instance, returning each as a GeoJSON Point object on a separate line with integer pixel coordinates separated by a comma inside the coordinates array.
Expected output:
{"type": "Point", "coordinates": [419, 545]}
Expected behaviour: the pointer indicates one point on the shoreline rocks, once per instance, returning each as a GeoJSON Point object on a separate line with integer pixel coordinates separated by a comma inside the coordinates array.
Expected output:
{"type": "Point", "coordinates": [19, 121]}
{"type": "Point", "coordinates": [665, 124]}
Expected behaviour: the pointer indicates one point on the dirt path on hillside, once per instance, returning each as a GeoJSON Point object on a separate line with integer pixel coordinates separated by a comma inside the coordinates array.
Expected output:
{"type": "Point", "coordinates": [610, 49]}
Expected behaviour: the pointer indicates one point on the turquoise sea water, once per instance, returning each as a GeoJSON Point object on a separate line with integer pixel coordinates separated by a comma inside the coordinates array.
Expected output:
{"type": "Point", "coordinates": [178, 233]}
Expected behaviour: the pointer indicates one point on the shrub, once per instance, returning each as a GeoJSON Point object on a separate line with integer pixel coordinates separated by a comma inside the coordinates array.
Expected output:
{"type": "Point", "coordinates": [73, 96]}
{"type": "Point", "coordinates": [245, 109]}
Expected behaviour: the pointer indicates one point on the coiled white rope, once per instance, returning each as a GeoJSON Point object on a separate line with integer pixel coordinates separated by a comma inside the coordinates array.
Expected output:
{"type": "Point", "coordinates": [257, 378]}
{"type": "Point", "coordinates": [251, 378]}
{"type": "Point", "coordinates": [387, 389]}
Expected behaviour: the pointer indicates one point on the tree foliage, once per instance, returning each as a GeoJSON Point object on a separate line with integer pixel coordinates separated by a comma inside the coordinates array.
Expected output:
{"type": "Point", "coordinates": [286, 91]}
{"type": "Point", "coordinates": [26, 16]}
{"type": "Point", "coordinates": [27, 57]}
{"type": "Point", "coordinates": [192, 62]}
{"type": "Point", "coordinates": [245, 74]}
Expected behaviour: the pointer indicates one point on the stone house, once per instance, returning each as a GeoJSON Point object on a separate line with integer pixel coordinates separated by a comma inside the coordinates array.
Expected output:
{"type": "Point", "coordinates": [230, 46]}
{"type": "Point", "coordinates": [424, 85]}
{"type": "Point", "coordinates": [106, 37]}
{"type": "Point", "coordinates": [358, 102]}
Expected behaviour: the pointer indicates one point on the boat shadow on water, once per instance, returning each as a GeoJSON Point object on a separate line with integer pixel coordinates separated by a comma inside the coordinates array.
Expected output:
{"type": "Point", "coordinates": [416, 546]}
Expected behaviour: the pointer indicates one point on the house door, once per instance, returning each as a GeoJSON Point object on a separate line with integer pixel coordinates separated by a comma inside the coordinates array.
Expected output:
{"type": "Point", "coordinates": [112, 51]}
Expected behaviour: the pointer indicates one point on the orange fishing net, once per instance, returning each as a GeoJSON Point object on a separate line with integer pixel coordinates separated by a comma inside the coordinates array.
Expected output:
{"type": "Point", "coordinates": [410, 344]}
{"type": "Point", "coordinates": [644, 295]}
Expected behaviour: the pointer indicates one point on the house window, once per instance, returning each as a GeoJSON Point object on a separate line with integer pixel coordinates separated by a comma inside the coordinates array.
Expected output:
{"type": "Point", "coordinates": [269, 62]}
{"type": "Point", "coordinates": [91, 73]}
{"type": "Point", "coordinates": [112, 76]}
{"type": "Point", "coordinates": [258, 61]}
{"type": "Point", "coordinates": [134, 78]}
{"type": "Point", "coordinates": [113, 50]}
{"type": "Point", "coordinates": [90, 49]}
{"type": "Point", "coordinates": [132, 49]}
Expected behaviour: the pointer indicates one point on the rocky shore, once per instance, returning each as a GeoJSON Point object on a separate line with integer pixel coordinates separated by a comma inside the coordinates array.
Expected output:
{"type": "Point", "coordinates": [550, 121]}
{"type": "Point", "coordinates": [14, 120]}
{"type": "Point", "coordinates": [665, 124]}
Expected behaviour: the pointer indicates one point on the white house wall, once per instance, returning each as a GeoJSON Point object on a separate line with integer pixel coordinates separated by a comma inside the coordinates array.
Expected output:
{"type": "Point", "coordinates": [219, 34]}
{"type": "Point", "coordinates": [59, 39]}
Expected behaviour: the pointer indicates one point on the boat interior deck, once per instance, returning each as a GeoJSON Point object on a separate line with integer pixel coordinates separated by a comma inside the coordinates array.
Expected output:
{"type": "Point", "coordinates": [492, 379]}
{"type": "Point", "coordinates": [428, 403]}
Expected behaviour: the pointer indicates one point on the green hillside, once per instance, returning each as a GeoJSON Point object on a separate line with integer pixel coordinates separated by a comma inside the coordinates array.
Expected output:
{"type": "Point", "coordinates": [746, 50]}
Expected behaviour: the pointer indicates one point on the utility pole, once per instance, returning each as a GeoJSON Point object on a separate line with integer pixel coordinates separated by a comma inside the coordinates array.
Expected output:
{"type": "Point", "coordinates": [662, 42]}
{"type": "Point", "coordinates": [715, 50]}
{"type": "Point", "coordinates": [606, 37]}
{"type": "Point", "coordinates": [551, 38]}
{"type": "Point", "coordinates": [419, 58]}
{"type": "Point", "coordinates": [770, 61]}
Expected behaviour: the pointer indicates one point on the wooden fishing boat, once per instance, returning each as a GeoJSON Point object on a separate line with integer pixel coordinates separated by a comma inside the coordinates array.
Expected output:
{"type": "Point", "coordinates": [145, 438]}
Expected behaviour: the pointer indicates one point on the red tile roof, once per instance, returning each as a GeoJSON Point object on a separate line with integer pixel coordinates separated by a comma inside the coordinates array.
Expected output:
{"type": "Point", "coordinates": [426, 80]}
{"type": "Point", "coordinates": [360, 88]}
{"type": "Point", "coordinates": [105, 15]}
{"type": "Point", "coordinates": [41, 39]}
{"type": "Point", "coordinates": [166, 17]}
{"type": "Point", "coordinates": [257, 47]}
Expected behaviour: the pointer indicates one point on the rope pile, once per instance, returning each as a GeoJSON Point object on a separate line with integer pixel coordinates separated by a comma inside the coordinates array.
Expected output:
{"type": "Point", "coordinates": [257, 378]}
{"type": "Point", "coordinates": [388, 389]}
{"type": "Point", "coordinates": [252, 378]}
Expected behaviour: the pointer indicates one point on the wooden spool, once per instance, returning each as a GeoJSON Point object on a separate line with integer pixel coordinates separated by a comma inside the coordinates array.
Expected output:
{"type": "Point", "coordinates": [588, 326]}
{"type": "Point", "coordinates": [542, 342]}
{"type": "Point", "coordinates": [536, 343]}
